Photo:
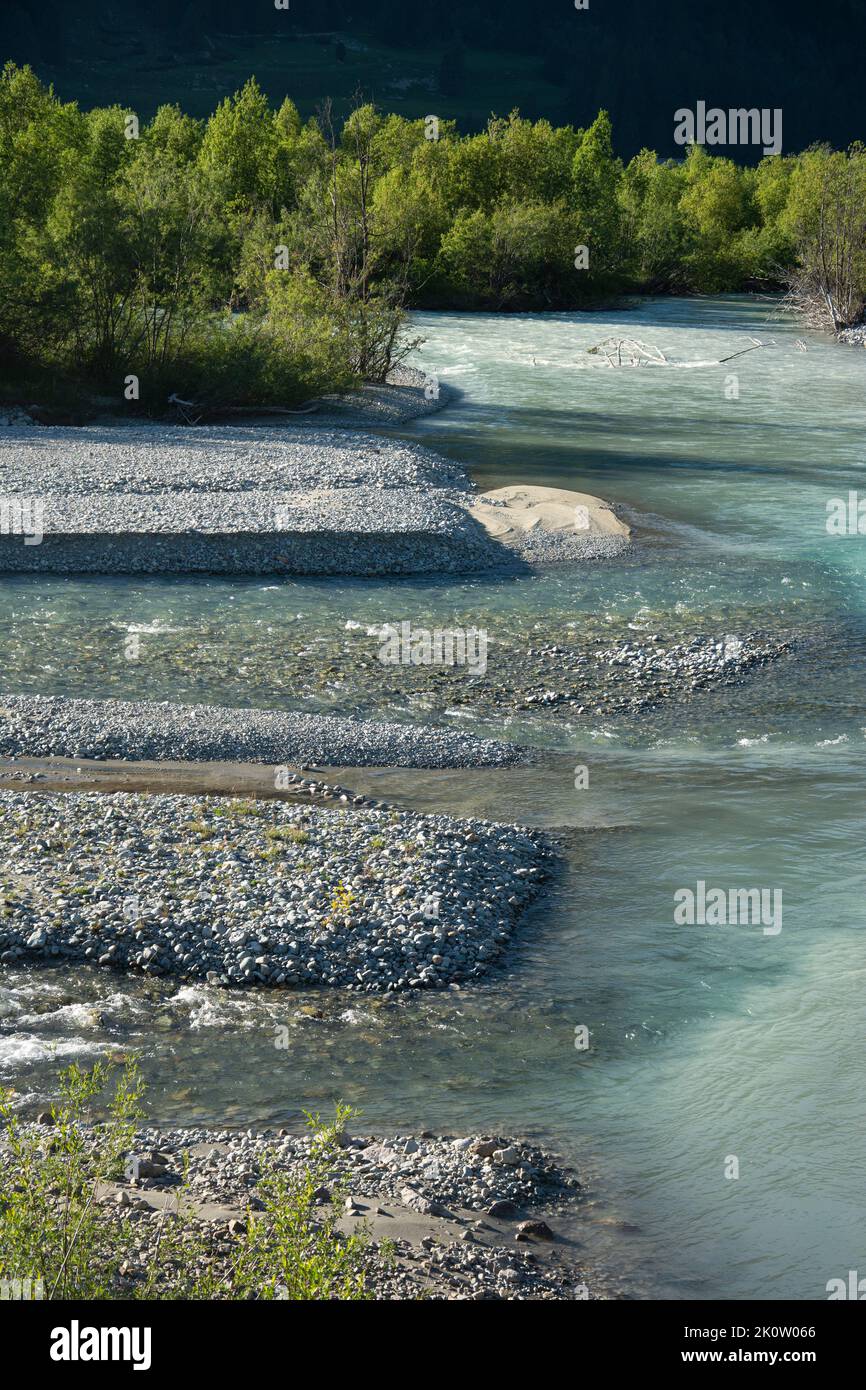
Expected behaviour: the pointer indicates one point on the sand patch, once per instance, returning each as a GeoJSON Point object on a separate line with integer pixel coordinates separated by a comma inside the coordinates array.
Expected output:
{"type": "Point", "coordinates": [509, 513]}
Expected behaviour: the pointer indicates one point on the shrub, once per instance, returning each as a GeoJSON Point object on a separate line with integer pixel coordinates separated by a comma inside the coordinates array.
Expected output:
{"type": "Point", "coordinates": [55, 1226]}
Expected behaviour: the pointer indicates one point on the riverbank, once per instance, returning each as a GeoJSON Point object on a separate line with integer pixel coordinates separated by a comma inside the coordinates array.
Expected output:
{"type": "Point", "coordinates": [285, 783]}
{"type": "Point", "coordinates": [407, 394]}
{"type": "Point", "coordinates": [441, 1217]}
{"type": "Point", "coordinates": [322, 497]}
{"type": "Point", "coordinates": [261, 893]}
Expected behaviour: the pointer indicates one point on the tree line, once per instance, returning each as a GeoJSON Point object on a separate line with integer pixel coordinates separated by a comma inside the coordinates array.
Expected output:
{"type": "Point", "coordinates": [254, 257]}
{"type": "Point", "coordinates": [641, 61]}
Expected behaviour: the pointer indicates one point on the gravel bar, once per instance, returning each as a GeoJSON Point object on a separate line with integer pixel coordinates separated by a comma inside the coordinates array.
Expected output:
{"type": "Point", "coordinates": [262, 500]}
{"type": "Point", "coordinates": [261, 893]}
{"type": "Point", "coordinates": [46, 726]}
{"type": "Point", "coordinates": [421, 1171]}
{"type": "Point", "coordinates": [141, 460]}
{"type": "Point", "coordinates": [443, 1218]}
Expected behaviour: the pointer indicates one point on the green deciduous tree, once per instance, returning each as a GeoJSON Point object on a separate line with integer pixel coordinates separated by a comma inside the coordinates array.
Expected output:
{"type": "Point", "coordinates": [826, 216]}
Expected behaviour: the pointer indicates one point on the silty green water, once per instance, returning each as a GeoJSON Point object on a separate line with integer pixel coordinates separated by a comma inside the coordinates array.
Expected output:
{"type": "Point", "coordinates": [706, 1042]}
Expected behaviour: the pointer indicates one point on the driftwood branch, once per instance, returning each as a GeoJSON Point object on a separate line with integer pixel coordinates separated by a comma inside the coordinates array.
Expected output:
{"type": "Point", "coordinates": [638, 353]}
{"type": "Point", "coordinates": [628, 352]}
{"type": "Point", "coordinates": [193, 412]}
{"type": "Point", "coordinates": [741, 353]}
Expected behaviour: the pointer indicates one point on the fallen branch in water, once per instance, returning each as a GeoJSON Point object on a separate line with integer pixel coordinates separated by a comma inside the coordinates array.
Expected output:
{"type": "Point", "coordinates": [743, 351]}
{"type": "Point", "coordinates": [643, 355]}
{"type": "Point", "coordinates": [639, 353]}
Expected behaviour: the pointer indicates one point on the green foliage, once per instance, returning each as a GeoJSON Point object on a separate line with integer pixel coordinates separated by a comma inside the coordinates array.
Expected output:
{"type": "Point", "coordinates": [125, 254]}
{"type": "Point", "coordinates": [518, 255]}
{"type": "Point", "coordinates": [293, 1250]}
{"type": "Point", "coordinates": [825, 215]}
{"type": "Point", "coordinates": [238, 151]}
{"type": "Point", "coordinates": [55, 1227]}
{"type": "Point", "coordinates": [51, 1225]}
{"type": "Point", "coordinates": [705, 224]}
{"type": "Point", "coordinates": [254, 259]}
{"type": "Point", "coordinates": [596, 176]}
{"type": "Point", "coordinates": [343, 901]}
{"type": "Point", "coordinates": [655, 227]}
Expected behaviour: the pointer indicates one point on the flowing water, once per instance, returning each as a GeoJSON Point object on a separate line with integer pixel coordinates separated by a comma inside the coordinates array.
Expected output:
{"type": "Point", "coordinates": [707, 1043]}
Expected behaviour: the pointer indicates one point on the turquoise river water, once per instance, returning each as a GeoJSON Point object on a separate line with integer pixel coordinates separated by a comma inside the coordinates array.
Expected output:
{"type": "Point", "coordinates": [706, 1042]}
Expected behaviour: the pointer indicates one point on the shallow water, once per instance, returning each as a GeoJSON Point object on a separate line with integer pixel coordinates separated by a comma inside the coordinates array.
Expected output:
{"type": "Point", "coordinates": [705, 1041]}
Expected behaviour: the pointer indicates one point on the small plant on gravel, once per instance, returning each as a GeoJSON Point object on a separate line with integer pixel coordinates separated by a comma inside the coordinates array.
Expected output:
{"type": "Point", "coordinates": [59, 1227]}
{"type": "Point", "coordinates": [292, 1249]}
{"type": "Point", "coordinates": [234, 810]}
{"type": "Point", "coordinates": [342, 903]}
{"type": "Point", "coordinates": [51, 1225]}
{"type": "Point", "coordinates": [288, 832]}
{"type": "Point", "coordinates": [271, 855]}
{"type": "Point", "coordinates": [201, 828]}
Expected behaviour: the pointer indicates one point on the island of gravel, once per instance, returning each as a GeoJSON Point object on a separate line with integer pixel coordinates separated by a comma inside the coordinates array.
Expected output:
{"type": "Point", "coordinates": [264, 498]}
{"type": "Point", "coordinates": [260, 892]}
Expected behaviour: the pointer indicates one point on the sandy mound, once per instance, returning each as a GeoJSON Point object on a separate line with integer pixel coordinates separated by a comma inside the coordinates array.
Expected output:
{"type": "Point", "coordinates": [510, 512]}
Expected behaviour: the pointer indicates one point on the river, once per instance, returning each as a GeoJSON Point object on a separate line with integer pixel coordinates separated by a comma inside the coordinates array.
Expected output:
{"type": "Point", "coordinates": [708, 1044]}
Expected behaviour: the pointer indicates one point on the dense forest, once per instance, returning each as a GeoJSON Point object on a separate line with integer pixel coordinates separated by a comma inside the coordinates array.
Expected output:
{"type": "Point", "coordinates": [637, 60]}
{"type": "Point", "coordinates": [255, 256]}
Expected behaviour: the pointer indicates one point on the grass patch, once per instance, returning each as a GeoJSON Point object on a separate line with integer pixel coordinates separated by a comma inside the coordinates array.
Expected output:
{"type": "Point", "coordinates": [292, 833]}
{"type": "Point", "coordinates": [200, 828]}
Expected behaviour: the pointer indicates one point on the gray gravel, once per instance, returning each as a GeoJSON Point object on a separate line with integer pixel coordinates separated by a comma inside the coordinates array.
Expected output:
{"type": "Point", "coordinates": [442, 1218]}
{"type": "Point", "coordinates": [146, 459]}
{"type": "Point", "coordinates": [53, 726]}
{"type": "Point", "coordinates": [260, 893]}
{"type": "Point", "coordinates": [419, 1171]}
{"type": "Point", "coordinates": [264, 499]}
{"type": "Point", "coordinates": [313, 553]}
{"type": "Point", "coordinates": [402, 531]}
{"type": "Point", "coordinates": [401, 399]}
{"type": "Point", "coordinates": [537, 547]}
